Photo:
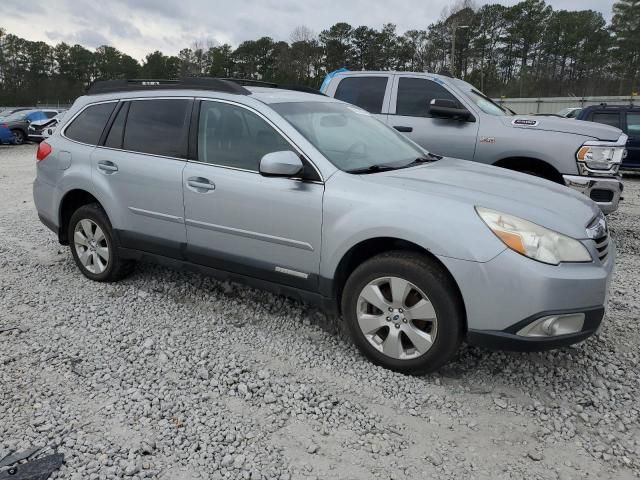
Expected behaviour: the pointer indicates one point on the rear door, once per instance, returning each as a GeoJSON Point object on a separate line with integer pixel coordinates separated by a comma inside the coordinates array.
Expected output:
{"type": "Point", "coordinates": [633, 144]}
{"type": "Point", "coordinates": [371, 92]}
{"type": "Point", "coordinates": [409, 113]}
{"type": "Point", "coordinates": [139, 166]}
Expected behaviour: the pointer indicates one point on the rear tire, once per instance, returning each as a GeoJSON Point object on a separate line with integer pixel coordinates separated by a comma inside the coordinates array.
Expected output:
{"type": "Point", "coordinates": [415, 320]}
{"type": "Point", "coordinates": [93, 247]}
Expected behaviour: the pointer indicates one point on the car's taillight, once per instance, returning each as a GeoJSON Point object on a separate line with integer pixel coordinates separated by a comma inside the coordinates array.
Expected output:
{"type": "Point", "coordinates": [4, 125]}
{"type": "Point", "coordinates": [44, 149]}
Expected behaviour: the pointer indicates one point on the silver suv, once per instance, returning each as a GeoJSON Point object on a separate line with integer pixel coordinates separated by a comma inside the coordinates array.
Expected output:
{"type": "Point", "coordinates": [317, 199]}
{"type": "Point", "coordinates": [451, 117]}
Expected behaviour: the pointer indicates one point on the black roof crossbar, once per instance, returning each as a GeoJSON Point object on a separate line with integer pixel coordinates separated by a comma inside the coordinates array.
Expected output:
{"type": "Point", "coordinates": [194, 83]}
{"type": "Point", "coordinates": [261, 83]}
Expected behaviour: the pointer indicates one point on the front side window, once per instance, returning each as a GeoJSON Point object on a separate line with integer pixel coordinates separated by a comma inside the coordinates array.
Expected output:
{"type": "Point", "coordinates": [365, 92]}
{"type": "Point", "coordinates": [607, 118]}
{"type": "Point", "coordinates": [633, 124]}
{"type": "Point", "coordinates": [349, 137]}
{"type": "Point", "coordinates": [88, 126]}
{"type": "Point", "coordinates": [158, 127]}
{"type": "Point", "coordinates": [415, 95]}
{"type": "Point", "coordinates": [232, 136]}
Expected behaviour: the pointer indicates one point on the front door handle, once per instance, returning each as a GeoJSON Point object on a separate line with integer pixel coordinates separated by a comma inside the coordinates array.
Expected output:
{"type": "Point", "coordinates": [200, 184]}
{"type": "Point", "coordinates": [107, 167]}
{"type": "Point", "coordinates": [400, 128]}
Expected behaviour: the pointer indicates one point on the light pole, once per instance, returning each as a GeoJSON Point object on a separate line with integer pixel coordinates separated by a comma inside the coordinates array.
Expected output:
{"type": "Point", "coordinates": [453, 47]}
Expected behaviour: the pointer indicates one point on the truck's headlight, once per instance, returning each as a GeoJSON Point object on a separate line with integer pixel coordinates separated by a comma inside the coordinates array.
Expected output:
{"type": "Point", "coordinates": [601, 156]}
{"type": "Point", "coordinates": [532, 240]}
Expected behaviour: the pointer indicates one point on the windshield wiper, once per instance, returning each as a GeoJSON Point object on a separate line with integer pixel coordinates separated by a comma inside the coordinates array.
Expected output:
{"type": "Point", "coordinates": [432, 157]}
{"type": "Point", "coordinates": [372, 169]}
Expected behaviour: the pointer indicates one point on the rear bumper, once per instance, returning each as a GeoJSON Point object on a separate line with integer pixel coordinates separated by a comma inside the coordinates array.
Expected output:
{"type": "Point", "coordinates": [605, 191]}
{"type": "Point", "coordinates": [509, 339]}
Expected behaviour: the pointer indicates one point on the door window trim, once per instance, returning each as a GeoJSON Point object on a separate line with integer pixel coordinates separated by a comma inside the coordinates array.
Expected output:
{"type": "Point", "coordinates": [393, 101]}
{"type": "Point", "coordinates": [112, 119]}
{"type": "Point", "coordinates": [298, 150]}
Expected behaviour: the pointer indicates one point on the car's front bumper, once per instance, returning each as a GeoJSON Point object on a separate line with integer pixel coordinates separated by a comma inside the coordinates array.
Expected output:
{"type": "Point", "coordinates": [605, 191]}
{"type": "Point", "coordinates": [504, 295]}
{"type": "Point", "coordinates": [510, 340]}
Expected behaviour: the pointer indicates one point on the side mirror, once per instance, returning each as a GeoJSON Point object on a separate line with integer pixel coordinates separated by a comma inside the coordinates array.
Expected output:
{"type": "Point", "coordinates": [281, 164]}
{"type": "Point", "coordinates": [441, 108]}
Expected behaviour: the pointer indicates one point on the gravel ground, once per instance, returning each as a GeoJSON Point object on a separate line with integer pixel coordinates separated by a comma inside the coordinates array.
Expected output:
{"type": "Point", "coordinates": [176, 376]}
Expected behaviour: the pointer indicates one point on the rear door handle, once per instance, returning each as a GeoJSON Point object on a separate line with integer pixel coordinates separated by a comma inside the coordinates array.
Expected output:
{"type": "Point", "coordinates": [400, 128]}
{"type": "Point", "coordinates": [200, 184]}
{"type": "Point", "coordinates": [107, 167]}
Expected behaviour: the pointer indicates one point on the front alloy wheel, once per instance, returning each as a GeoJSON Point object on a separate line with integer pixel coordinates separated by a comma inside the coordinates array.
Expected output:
{"type": "Point", "coordinates": [404, 311]}
{"type": "Point", "coordinates": [397, 318]}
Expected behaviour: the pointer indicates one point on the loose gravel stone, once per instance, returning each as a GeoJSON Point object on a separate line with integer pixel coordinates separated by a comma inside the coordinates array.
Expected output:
{"type": "Point", "coordinates": [172, 375]}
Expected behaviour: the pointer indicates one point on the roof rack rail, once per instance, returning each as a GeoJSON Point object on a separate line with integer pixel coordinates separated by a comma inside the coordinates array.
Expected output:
{"type": "Point", "coordinates": [261, 83]}
{"type": "Point", "coordinates": [140, 84]}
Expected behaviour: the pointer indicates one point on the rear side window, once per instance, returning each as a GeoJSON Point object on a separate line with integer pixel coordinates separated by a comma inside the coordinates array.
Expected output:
{"type": "Point", "coordinates": [608, 118]}
{"type": "Point", "coordinates": [633, 124]}
{"type": "Point", "coordinates": [88, 126]}
{"type": "Point", "coordinates": [415, 95]}
{"type": "Point", "coordinates": [365, 92]}
{"type": "Point", "coordinates": [158, 127]}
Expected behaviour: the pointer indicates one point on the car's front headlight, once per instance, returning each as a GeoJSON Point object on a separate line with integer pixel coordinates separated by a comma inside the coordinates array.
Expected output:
{"type": "Point", "coordinates": [601, 155]}
{"type": "Point", "coordinates": [532, 240]}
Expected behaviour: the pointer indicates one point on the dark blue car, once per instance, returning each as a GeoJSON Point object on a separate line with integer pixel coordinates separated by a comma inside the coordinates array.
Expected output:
{"type": "Point", "coordinates": [624, 117]}
{"type": "Point", "coordinates": [6, 135]}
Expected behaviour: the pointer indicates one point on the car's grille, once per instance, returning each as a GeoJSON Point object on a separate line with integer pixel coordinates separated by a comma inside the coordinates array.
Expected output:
{"type": "Point", "coordinates": [602, 246]}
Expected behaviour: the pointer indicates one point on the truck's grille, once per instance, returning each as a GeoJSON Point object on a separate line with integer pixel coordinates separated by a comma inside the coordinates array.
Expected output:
{"type": "Point", "coordinates": [602, 246]}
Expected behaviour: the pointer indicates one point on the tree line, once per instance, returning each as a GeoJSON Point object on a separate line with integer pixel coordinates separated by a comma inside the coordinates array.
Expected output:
{"type": "Point", "coordinates": [528, 49]}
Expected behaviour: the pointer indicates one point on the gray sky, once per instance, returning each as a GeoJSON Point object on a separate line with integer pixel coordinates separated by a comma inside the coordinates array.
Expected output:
{"type": "Point", "coordinates": [138, 27]}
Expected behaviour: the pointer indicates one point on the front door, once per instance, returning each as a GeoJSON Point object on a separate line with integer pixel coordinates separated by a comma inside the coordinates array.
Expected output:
{"type": "Point", "coordinates": [409, 113]}
{"type": "Point", "coordinates": [240, 221]}
{"type": "Point", "coordinates": [140, 165]}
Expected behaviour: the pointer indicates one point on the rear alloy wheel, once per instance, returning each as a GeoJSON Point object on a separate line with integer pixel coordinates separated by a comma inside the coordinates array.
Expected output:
{"type": "Point", "coordinates": [403, 312]}
{"type": "Point", "coordinates": [93, 247]}
{"type": "Point", "coordinates": [18, 137]}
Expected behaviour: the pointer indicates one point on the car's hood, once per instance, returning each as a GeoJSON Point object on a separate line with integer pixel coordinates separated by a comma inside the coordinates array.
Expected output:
{"type": "Point", "coordinates": [39, 123]}
{"type": "Point", "coordinates": [594, 130]}
{"type": "Point", "coordinates": [537, 200]}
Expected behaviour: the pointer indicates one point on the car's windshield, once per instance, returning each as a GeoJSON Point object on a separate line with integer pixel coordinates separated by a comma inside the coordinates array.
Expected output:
{"type": "Point", "coordinates": [351, 138]}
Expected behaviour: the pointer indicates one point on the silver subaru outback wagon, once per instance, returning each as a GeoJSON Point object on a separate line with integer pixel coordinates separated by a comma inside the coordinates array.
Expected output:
{"type": "Point", "coordinates": [316, 199]}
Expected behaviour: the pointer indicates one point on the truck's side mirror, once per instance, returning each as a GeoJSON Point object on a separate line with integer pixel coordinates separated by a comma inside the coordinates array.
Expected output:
{"type": "Point", "coordinates": [443, 108]}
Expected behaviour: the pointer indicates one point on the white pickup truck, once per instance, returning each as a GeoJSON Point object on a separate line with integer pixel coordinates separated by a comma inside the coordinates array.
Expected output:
{"type": "Point", "coordinates": [450, 117]}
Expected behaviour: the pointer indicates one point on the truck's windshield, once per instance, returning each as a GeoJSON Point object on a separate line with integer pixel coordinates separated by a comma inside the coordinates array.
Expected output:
{"type": "Point", "coordinates": [487, 105]}
{"type": "Point", "coordinates": [483, 102]}
{"type": "Point", "coordinates": [351, 138]}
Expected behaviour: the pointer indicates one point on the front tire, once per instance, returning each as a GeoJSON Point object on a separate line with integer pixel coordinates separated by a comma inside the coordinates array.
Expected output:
{"type": "Point", "coordinates": [93, 247]}
{"type": "Point", "coordinates": [18, 136]}
{"type": "Point", "coordinates": [403, 312]}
